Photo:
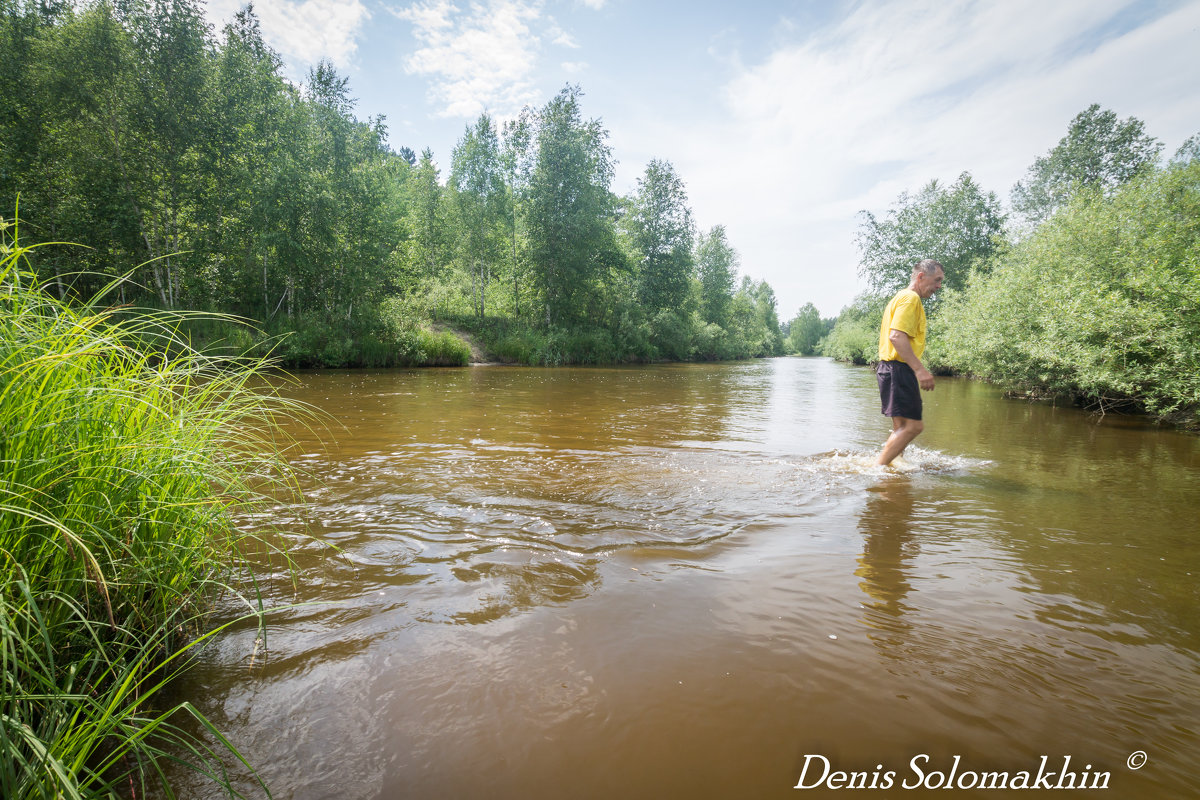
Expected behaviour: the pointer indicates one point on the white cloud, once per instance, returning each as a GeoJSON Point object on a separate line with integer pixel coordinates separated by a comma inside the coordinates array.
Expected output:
{"type": "Point", "coordinates": [574, 67]}
{"type": "Point", "coordinates": [561, 37]}
{"type": "Point", "coordinates": [894, 95]}
{"type": "Point", "coordinates": [481, 59]}
{"type": "Point", "coordinates": [303, 32]}
{"type": "Point", "coordinates": [895, 90]}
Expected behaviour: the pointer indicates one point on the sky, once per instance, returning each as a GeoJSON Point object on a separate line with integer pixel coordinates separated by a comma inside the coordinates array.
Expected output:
{"type": "Point", "coordinates": [784, 119]}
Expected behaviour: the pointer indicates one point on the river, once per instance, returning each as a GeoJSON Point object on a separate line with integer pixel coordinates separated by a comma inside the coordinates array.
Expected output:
{"type": "Point", "coordinates": [687, 581]}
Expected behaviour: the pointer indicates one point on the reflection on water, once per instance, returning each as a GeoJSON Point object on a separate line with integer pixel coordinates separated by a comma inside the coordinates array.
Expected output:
{"type": "Point", "coordinates": [889, 547]}
{"type": "Point", "coordinates": [681, 580]}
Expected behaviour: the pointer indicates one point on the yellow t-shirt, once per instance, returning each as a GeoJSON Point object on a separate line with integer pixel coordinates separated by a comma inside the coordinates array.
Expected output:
{"type": "Point", "coordinates": [904, 313]}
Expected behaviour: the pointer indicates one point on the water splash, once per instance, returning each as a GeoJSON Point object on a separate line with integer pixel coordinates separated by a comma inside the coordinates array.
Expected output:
{"type": "Point", "coordinates": [915, 460]}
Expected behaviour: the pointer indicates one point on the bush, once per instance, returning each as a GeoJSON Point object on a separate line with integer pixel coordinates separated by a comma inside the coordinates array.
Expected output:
{"type": "Point", "coordinates": [671, 335]}
{"type": "Point", "coordinates": [855, 335]}
{"type": "Point", "coordinates": [591, 346]}
{"type": "Point", "coordinates": [314, 342]}
{"type": "Point", "coordinates": [711, 341]}
{"type": "Point", "coordinates": [442, 349]}
{"type": "Point", "coordinates": [394, 335]}
{"type": "Point", "coordinates": [517, 347]}
{"type": "Point", "coordinates": [1101, 303]}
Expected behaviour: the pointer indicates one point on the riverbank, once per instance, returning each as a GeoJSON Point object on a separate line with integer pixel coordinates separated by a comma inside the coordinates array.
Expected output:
{"type": "Point", "coordinates": [394, 339]}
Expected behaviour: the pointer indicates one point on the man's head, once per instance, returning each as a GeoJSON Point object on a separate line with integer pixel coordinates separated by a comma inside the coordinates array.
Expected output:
{"type": "Point", "coordinates": [927, 278]}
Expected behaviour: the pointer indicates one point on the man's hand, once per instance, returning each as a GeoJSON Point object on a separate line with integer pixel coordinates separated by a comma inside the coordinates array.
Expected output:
{"type": "Point", "coordinates": [903, 345]}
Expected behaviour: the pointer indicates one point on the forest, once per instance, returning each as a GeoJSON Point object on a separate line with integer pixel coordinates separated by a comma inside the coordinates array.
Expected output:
{"type": "Point", "coordinates": [183, 159]}
{"type": "Point", "coordinates": [1087, 291]}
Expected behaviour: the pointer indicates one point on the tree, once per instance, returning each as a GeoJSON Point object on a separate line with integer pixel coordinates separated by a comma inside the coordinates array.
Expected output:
{"type": "Point", "coordinates": [959, 226]}
{"type": "Point", "coordinates": [171, 42]}
{"type": "Point", "coordinates": [347, 234]}
{"type": "Point", "coordinates": [128, 126]}
{"type": "Point", "coordinates": [753, 316]}
{"type": "Point", "coordinates": [570, 209]}
{"type": "Point", "coordinates": [516, 155]}
{"type": "Point", "coordinates": [767, 316]}
{"type": "Point", "coordinates": [717, 263]}
{"type": "Point", "coordinates": [660, 224]}
{"type": "Point", "coordinates": [806, 330]}
{"type": "Point", "coordinates": [427, 216]}
{"type": "Point", "coordinates": [1188, 151]}
{"type": "Point", "coordinates": [246, 147]}
{"type": "Point", "coordinates": [75, 156]}
{"type": "Point", "coordinates": [1099, 152]}
{"type": "Point", "coordinates": [476, 174]}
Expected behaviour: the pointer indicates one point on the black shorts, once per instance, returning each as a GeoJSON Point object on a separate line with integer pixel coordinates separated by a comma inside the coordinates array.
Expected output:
{"type": "Point", "coordinates": [898, 389]}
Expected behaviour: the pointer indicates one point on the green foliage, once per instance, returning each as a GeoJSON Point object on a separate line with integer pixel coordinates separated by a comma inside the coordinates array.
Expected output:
{"type": "Point", "coordinates": [132, 128]}
{"type": "Point", "coordinates": [442, 349]}
{"type": "Point", "coordinates": [717, 263]}
{"type": "Point", "coordinates": [121, 467]}
{"type": "Point", "coordinates": [1099, 153]}
{"type": "Point", "coordinates": [555, 346]}
{"type": "Point", "coordinates": [519, 347]}
{"type": "Point", "coordinates": [155, 144]}
{"type": "Point", "coordinates": [1101, 303]}
{"type": "Point", "coordinates": [957, 226]}
{"type": "Point", "coordinates": [806, 330]}
{"type": "Point", "coordinates": [394, 337]}
{"type": "Point", "coordinates": [712, 342]}
{"type": "Point", "coordinates": [478, 183]}
{"type": "Point", "coordinates": [1188, 151]}
{"type": "Point", "coordinates": [855, 335]}
{"type": "Point", "coordinates": [428, 214]}
{"type": "Point", "coordinates": [660, 225]}
{"type": "Point", "coordinates": [753, 320]}
{"type": "Point", "coordinates": [671, 335]}
{"type": "Point", "coordinates": [571, 238]}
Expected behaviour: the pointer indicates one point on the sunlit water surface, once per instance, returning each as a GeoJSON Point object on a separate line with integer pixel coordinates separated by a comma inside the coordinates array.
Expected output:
{"type": "Point", "coordinates": [689, 581]}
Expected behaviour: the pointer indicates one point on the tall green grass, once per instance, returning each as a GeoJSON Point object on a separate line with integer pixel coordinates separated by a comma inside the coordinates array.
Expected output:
{"type": "Point", "coordinates": [123, 455]}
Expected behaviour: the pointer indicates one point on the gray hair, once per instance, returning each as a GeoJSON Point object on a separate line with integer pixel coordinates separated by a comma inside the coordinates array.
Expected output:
{"type": "Point", "coordinates": [927, 266]}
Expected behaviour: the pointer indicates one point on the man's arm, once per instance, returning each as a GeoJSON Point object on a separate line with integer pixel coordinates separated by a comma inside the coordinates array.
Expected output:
{"type": "Point", "coordinates": [900, 341]}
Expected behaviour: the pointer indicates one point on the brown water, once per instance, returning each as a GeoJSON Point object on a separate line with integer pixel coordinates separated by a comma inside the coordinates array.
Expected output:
{"type": "Point", "coordinates": [687, 581]}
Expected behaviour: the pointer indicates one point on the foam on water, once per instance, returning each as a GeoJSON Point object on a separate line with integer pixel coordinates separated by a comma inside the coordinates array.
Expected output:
{"type": "Point", "coordinates": [914, 460]}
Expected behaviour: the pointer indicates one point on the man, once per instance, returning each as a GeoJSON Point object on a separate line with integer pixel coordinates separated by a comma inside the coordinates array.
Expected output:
{"type": "Point", "coordinates": [900, 373]}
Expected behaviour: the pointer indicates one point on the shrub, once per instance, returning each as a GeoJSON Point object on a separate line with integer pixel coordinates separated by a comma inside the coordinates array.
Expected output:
{"type": "Point", "coordinates": [855, 335]}
{"type": "Point", "coordinates": [1101, 303]}
{"type": "Point", "coordinates": [442, 349]}
{"type": "Point", "coordinates": [671, 335]}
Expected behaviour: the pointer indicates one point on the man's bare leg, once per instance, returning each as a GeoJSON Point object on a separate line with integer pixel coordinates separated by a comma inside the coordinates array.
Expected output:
{"type": "Point", "coordinates": [904, 430]}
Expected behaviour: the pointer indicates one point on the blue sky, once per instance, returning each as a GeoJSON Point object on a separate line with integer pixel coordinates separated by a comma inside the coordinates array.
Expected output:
{"type": "Point", "coordinates": [784, 119]}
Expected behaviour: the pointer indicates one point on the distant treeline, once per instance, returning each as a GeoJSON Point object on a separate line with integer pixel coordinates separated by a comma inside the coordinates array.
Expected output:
{"type": "Point", "coordinates": [1089, 290]}
{"type": "Point", "coordinates": [132, 128]}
